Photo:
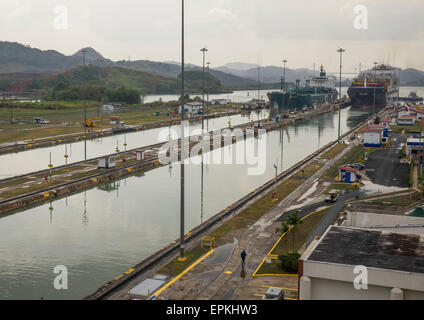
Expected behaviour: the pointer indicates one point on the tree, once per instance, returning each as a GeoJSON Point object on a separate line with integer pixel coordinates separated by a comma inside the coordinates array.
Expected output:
{"type": "Point", "coordinates": [290, 261]}
{"type": "Point", "coordinates": [294, 220]}
{"type": "Point", "coordinates": [284, 229]}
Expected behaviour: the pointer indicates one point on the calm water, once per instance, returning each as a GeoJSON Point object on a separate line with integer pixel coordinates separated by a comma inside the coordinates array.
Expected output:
{"type": "Point", "coordinates": [247, 95]}
{"type": "Point", "coordinates": [40, 157]}
{"type": "Point", "coordinates": [100, 233]}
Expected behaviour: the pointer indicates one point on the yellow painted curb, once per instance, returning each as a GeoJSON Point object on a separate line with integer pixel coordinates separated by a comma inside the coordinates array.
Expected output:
{"type": "Point", "coordinates": [158, 292]}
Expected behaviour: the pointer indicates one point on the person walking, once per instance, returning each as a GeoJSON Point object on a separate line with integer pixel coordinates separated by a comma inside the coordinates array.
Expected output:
{"type": "Point", "coordinates": [243, 256]}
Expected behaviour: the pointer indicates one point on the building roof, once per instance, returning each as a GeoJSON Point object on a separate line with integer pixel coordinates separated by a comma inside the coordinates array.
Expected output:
{"type": "Point", "coordinates": [385, 119]}
{"type": "Point", "coordinates": [406, 118]}
{"type": "Point", "coordinates": [348, 169]}
{"type": "Point", "coordinates": [371, 248]}
{"type": "Point", "coordinates": [374, 130]}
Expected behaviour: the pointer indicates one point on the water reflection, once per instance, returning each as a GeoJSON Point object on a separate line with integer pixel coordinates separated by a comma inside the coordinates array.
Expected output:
{"type": "Point", "coordinates": [89, 149]}
{"type": "Point", "coordinates": [101, 232]}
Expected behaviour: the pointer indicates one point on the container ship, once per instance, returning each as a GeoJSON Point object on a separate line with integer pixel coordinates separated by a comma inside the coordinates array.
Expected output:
{"type": "Point", "coordinates": [373, 88]}
{"type": "Point", "coordinates": [316, 90]}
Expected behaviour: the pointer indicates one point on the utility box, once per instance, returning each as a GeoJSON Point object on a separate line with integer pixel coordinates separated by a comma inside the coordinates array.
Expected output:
{"type": "Point", "coordinates": [139, 155]}
{"type": "Point", "coordinates": [107, 162]}
{"type": "Point", "coordinates": [274, 294]}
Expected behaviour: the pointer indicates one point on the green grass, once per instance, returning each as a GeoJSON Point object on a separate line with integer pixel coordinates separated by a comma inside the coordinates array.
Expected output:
{"type": "Point", "coordinates": [175, 267]}
{"type": "Point", "coordinates": [288, 243]}
{"type": "Point", "coordinates": [398, 201]}
{"type": "Point", "coordinates": [408, 129]}
{"type": "Point", "coordinates": [334, 151]}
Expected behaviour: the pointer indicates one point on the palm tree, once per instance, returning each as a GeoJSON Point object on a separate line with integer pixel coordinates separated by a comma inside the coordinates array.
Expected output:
{"type": "Point", "coordinates": [294, 221]}
{"type": "Point", "coordinates": [285, 227]}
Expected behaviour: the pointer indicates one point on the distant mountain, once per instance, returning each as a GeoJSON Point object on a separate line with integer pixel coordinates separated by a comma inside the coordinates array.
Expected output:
{"type": "Point", "coordinates": [240, 66]}
{"type": "Point", "coordinates": [269, 74]}
{"type": "Point", "coordinates": [17, 58]}
{"type": "Point", "coordinates": [412, 77]}
{"type": "Point", "coordinates": [90, 55]}
{"type": "Point", "coordinates": [116, 77]}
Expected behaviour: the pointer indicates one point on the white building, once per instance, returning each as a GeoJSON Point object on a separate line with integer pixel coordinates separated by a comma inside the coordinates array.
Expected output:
{"type": "Point", "coordinates": [191, 107]}
{"type": "Point", "coordinates": [406, 120]}
{"type": "Point", "coordinates": [414, 146]}
{"type": "Point", "coordinates": [373, 137]}
{"type": "Point", "coordinates": [391, 265]}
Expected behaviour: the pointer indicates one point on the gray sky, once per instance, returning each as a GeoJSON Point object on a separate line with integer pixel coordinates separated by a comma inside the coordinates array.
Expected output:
{"type": "Point", "coordinates": [268, 31]}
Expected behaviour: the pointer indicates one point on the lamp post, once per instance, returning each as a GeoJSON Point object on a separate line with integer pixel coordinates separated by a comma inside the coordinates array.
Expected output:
{"type": "Point", "coordinates": [207, 94]}
{"type": "Point", "coordinates": [284, 83]}
{"type": "Point", "coordinates": [375, 84]}
{"type": "Point", "coordinates": [204, 50]}
{"type": "Point", "coordinates": [182, 258]}
{"type": "Point", "coordinates": [340, 90]}
{"type": "Point", "coordinates": [84, 51]}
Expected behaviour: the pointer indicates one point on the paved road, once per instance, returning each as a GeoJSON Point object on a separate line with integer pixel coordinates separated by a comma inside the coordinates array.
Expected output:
{"type": "Point", "coordinates": [384, 167]}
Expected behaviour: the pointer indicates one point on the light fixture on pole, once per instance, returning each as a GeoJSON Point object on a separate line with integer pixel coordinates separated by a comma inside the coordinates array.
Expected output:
{"type": "Point", "coordinates": [375, 85]}
{"type": "Point", "coordinates": [204, 50]}
{"type": "Point", "coordinates": [284, 83]}
{"type": "Point", "coordinates": [340, 91]}
{"type": "Point", "coordinates": [207, 90]}
{"type": "Point", "coordinates": [182, 258]}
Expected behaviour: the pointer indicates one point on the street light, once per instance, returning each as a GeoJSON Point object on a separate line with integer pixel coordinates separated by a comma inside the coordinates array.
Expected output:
{"type": "Point", "coordinates": [182, 258]}
{"type": "Point", "coordinates": [84, 51]}
{"type": "Point", "coordinates": [375, 83]}
{"type": "Point", "coordinates": [284, 77]}
{"type": "Point", "coordinates": [207, 93]}
{"type": "Point", "coordinates": [204, 50]}
{"type": "Point", "coordinates": [340, 89]}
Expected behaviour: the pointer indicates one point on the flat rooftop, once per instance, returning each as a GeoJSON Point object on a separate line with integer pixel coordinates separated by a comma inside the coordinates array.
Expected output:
{"type": "Point", "coordinates": [371, 248]}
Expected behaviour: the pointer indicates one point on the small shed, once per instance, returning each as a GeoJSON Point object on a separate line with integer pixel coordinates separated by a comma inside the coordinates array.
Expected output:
{"type": "Point", "coordinates": [107, 162]}
{"type": "Point", "coordinates": [348, 175]}
{"type": "Point", "coordinates": [139, 155]}
{"type": "Point", "coordinates": [373, 137]}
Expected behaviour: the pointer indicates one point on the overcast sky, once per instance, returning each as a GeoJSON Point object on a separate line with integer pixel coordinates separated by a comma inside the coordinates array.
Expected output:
{"type": "Point", "coordinates": [268, 31]}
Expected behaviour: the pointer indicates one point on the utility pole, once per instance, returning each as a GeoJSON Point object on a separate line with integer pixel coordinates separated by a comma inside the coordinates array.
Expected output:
{"type": "Point", "coordinates": [284, 77]}
{"type": "Point", "coordinates": [182, 258]}
{"type": "Point", "coordinates": [207, 93]}
{"type": "Point", "coordinates": [340, 89]}
{"type": "Point", "coordinates": [84, 51]}
{"type": "Point", "coordinates": [375, 84]}
{"type": "Point", "coordinates": [204, 50]}
{"type": "Point", "coordinates": [259, 83]}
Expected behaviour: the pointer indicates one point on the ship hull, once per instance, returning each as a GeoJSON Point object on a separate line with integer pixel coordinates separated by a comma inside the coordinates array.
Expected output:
{"type": "Point", "coordinates": [367, 98]}
{"type": "Point", "coordinates": [287, 101]}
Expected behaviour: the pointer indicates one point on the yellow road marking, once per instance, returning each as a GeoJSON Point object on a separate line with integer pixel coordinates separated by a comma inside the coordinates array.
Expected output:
{"type": "Point", "coordinates": [290, 289]}
{"type": "Point", "coordinates": [158, 292]}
